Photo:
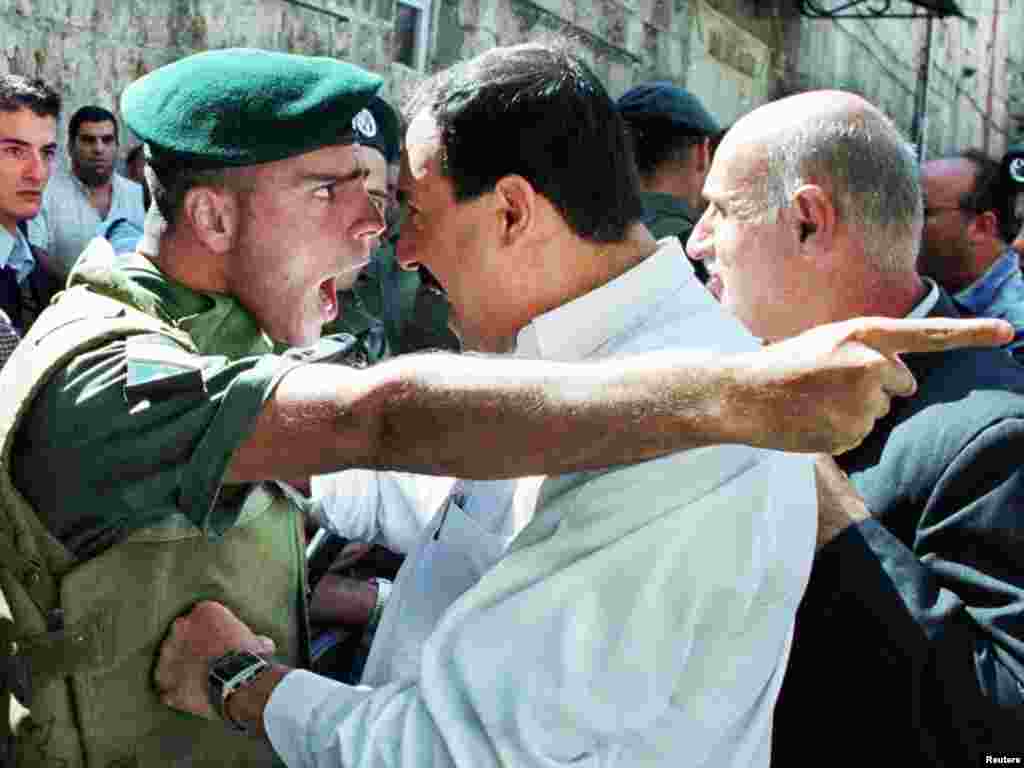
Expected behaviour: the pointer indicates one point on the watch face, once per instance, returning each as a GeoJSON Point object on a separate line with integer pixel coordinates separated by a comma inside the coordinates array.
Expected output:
{"type": "Point", "coordinates": [231, 665]}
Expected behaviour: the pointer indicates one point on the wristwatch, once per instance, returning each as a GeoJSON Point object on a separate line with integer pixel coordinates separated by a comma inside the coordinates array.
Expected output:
{"type": "Point", "coordinates": [228, 673]}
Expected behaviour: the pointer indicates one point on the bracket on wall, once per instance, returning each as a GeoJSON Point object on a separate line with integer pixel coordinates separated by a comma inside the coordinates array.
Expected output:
{"type": "Point", "coordinates": [533, 14]}
{"type": "Point", "coordinates": [318, 9]}
{"type": "Point", "coordinates": [877, 9]}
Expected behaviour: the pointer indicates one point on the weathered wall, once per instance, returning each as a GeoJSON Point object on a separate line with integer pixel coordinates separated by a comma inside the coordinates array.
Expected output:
{"type": "Point", "coordinates": [91, 49]}
{"type": "Point", "coordinates": [734, 54]}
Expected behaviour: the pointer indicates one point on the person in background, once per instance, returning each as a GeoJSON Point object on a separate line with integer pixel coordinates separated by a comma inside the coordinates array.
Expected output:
{"type": "Point", "coordinates": [909, 643]}
{"type": "Point", "coordinates": [135, 164]}
{"type": "Point", "coordinates": [1013, 177]}
{"type": "Point", "coordinates": [78, 203]}
{"type": "Point", "coordinates": [968, 225]}
{"type": "Point", "coordinates": [29, 110]}
{"type": "Point", "coordinates": [671, 135]}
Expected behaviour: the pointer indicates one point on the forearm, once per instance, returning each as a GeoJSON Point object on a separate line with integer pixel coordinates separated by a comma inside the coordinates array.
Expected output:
{"type": "Point", "coordinates": [486, 418]}
{"type": "Point", "coordinates": [474, 417]}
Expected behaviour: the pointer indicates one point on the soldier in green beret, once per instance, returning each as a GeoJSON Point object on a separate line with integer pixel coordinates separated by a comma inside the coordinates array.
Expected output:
{"type": "Point", "coordinates": [147, 426]}
{"type": "Point", "coordinates": [388, 310]}
{"type": "Point", "coordinates": [671, 134]}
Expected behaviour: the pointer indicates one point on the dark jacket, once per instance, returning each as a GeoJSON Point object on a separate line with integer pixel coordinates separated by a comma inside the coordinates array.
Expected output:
{"type": "Point", "coordinates": [909, 643]}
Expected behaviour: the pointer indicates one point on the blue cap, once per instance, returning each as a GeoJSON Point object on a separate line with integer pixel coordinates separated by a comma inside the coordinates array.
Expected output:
{"type": "Point", "coordinates": [662, 100]}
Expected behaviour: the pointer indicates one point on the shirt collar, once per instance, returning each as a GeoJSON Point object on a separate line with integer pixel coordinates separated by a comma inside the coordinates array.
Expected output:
{"type": "Point", "coordinates": [217, 323]}
{"type": "Point", "coordinates": [7, 244]}
{"type": "Point", "coordinates": [927, 304]}
{"type": "Point", "coordinates": [980, 294]}
{"type": "Point", "coordinates": [580, 328]}
{"type": "Point", "coordinates": [15, 251]}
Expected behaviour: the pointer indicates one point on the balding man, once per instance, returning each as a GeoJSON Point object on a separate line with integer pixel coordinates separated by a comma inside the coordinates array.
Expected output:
{"type": "Point", "coordinates": [910, 639]}
{"type": "Point", "coordinates": [969, 223]}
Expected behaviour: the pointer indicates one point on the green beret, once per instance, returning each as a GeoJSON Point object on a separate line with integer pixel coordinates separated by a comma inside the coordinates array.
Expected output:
{"type": "Point", "coordinates": [242, 106]}
{"type": "Point", "coordinates": [377, 126]}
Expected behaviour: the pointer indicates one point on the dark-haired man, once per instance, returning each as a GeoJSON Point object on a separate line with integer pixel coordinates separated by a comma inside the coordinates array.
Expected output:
{"type": "Point", "coordinates": [28, 124]}
{"type": "Point", "coordinates": [671, 135]}
{"type": "Point", "coordinates": [632, 615]}
{"type": "Point", "coordinates": [969, 223]}
{"type": "Point", "coordinates": [77, 204]}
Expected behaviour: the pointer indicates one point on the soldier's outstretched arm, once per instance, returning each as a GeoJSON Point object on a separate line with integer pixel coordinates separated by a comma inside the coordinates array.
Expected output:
{"type": "Point", "coordinates": [476, 417]}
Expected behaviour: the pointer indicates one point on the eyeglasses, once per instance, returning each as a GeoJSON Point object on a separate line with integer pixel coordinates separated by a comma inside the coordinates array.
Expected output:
{"type": "Point", "coordinates": [929, 211]}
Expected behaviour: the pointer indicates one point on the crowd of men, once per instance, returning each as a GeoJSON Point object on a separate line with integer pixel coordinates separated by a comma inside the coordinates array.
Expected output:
{"type": "Point", "coordinates": [619, 536]}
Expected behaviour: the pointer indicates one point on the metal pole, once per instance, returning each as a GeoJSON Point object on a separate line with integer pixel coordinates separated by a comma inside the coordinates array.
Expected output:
{"type": "Point", "coordinates": [919, 125]}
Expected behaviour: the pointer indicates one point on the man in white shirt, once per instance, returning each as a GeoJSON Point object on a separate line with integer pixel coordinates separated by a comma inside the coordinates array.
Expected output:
{"type": "Point", "coordinates": [28, 129]}
{"type": "Point", "coordinates": [637, 615]}
{"type": "Point", "coordinates": [78, 204]}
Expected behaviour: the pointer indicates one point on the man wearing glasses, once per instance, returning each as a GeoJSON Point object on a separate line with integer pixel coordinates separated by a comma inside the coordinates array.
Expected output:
{"type": "Point", "coordinates": [968, 226]}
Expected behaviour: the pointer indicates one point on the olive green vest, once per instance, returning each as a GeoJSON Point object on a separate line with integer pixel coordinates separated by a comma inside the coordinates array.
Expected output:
{"type": "Point", "coordinates": [78, 640]}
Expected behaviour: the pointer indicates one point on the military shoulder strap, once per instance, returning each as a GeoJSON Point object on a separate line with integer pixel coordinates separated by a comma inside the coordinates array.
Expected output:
{"type": "Point", "coordinates": [35, 646]}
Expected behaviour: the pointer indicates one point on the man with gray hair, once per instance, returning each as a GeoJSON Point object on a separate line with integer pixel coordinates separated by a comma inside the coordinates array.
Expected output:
{"type": "Point", "coordinates": [915, 608]}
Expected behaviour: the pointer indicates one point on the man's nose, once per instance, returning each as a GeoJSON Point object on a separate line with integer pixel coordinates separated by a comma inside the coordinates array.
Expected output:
{"type": "Point", "coordinates": [38, 167]}
{"type": "Point", "coordinates": [372, 224]}
{"type": "Point", "coordinates": [698, 244]}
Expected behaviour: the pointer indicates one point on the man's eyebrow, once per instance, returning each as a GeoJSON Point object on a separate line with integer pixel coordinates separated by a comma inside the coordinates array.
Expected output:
{"type": "Point", "coordinates": [23, 143]}
{"type": "Point", "coordinates": [335, 178]}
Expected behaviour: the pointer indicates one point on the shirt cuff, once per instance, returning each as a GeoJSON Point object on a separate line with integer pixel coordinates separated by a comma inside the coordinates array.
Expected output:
{"type": "Point", "coordinates": [291, 715]}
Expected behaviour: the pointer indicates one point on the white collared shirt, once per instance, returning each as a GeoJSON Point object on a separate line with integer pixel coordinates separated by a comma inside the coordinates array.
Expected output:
{"type": "Point", "coordinates": [67, 220]}
{"type": "Point", "coordinates": [15, 251]}
{"type": "Point", "coordinates": [642, 616]}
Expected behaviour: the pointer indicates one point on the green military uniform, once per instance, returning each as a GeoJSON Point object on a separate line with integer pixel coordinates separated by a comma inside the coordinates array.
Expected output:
{"type": "Point", "coordinates": [666, 215]}
{"type": "Point", "coordinates": [120, 455]}
{"type": "Point", "coordinates": [122, 410]}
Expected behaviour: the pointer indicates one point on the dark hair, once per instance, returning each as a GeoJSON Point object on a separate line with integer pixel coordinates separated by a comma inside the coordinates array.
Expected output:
{"type": "Point", "coordinates": [169, 180]}
{"type": "Point", "coordinates": [130, 157]}
{"type": "Point", "coordinates": [17, 92]}
{"type": "Point", "coordinates": [90, 114]}
{"type": "Point", "coordinates": [536, 111]}
{"type": "Point", "coordinates": [658, 142]}
{"type": "Point", "coordinates": [989, 192]}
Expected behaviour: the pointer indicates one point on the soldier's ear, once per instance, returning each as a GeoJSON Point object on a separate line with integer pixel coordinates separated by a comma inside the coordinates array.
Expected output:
{"type": "Point", "coordinates": [213, 216]}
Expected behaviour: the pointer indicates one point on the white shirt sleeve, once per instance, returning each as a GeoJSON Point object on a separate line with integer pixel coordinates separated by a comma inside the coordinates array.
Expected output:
{"type": "Point", "coordinates": [642, 622]}
{"type": "Point", "coordinates": [388, 508]}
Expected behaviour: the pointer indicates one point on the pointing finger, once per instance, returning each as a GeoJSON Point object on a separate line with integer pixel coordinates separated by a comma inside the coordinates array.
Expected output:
{"type": "Point", "coordinates": [892, 336]}
{"type": "Point", "coordinates": [897, 378]}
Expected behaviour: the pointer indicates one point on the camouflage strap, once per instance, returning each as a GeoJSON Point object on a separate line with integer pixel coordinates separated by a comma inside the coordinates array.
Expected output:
{"type": "Point", "coordinates": [31, 559]}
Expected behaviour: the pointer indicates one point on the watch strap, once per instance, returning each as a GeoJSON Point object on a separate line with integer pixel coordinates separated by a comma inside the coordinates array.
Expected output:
{"type": "Point", "coordinates": [229, 673]}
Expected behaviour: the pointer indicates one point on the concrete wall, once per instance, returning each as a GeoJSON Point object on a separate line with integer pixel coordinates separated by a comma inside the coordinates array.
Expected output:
{"type": "Point", "coordinates": [734, 54]}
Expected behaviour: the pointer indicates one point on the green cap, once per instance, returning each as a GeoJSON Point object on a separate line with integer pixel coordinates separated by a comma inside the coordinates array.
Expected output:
{"type": "Point", "coordinates": [242, 106]}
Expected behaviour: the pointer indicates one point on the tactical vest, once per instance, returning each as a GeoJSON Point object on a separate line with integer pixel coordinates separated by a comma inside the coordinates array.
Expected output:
{"type": "Point", "coordinates": [78, 639]}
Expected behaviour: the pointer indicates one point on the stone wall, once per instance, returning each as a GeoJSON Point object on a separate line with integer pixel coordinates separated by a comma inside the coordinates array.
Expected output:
{"type": "Point", "coordinates": [734, 54]}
